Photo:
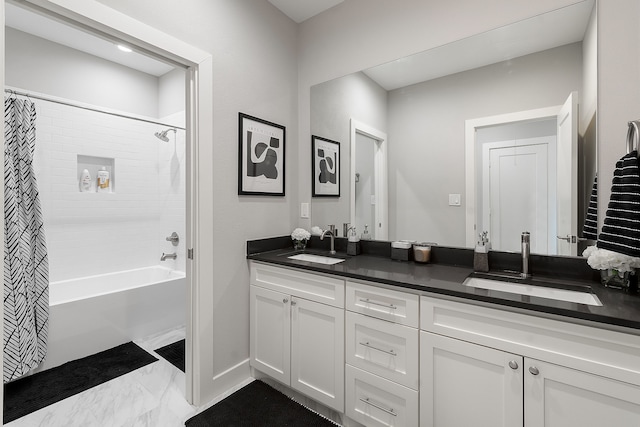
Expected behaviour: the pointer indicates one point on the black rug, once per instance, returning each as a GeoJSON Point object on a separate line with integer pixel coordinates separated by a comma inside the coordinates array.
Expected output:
{"type": "Point", "coordinates": [258, 404]}
{"type": "Point", "coordinates": [173, 353]}
{"type": "Point", "coordinates": [28, 394]}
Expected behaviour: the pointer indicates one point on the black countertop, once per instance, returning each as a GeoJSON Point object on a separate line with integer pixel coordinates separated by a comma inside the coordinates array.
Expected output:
{"type": "Point", "coordinates": [618, 310]}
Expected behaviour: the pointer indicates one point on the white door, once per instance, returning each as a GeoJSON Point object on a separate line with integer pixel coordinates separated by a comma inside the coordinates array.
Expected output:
{"type": "Point", "coordinates": [317, 351]}
{"type": "Point", "coordinates": [567, 177]}
{"type": "Point", "coordinates": [557, 396]}
{"type": "Point", "coordinates": [464, 384]}
{"type": "Point", "coordinates": [518, 196]}
{"type": "Point", "coordinates": [270, 340]}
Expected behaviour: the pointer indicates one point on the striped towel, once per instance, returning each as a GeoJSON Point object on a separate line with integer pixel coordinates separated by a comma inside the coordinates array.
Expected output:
{"type": "Point", "coordinates": [621, 230]}
{"type": "Point", "coordinates": [590, 228]}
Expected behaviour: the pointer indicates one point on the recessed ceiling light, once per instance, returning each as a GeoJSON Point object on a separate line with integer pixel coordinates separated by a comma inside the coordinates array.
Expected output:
{"type": "Point", "coordinates": [124, 48]}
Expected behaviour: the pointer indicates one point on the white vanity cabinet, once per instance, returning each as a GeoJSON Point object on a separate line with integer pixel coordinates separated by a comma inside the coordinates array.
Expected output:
{"type": "Point", "coordinates": [382, 347]}
{"type": "Point", "coordinates": [486, 367]}
{"type": "Point", "coordinates": [297, 331]}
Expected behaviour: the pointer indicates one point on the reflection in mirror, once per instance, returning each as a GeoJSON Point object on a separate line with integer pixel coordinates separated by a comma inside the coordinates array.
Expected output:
{"type": "Point", "coordinates": [532, 65]}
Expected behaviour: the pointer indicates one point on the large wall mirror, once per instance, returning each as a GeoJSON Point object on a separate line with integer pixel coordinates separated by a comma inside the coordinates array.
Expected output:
{"type": "Point", "coordinates": [492, 133]}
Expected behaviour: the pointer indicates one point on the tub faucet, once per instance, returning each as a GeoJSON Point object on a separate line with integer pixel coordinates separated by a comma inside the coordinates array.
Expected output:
{"type": "Point", "coordinates": [526, 249]}
{"type": "Point", "coordinates": [170, 256]}
{"type": "Point", "coordinates": [331, 232]}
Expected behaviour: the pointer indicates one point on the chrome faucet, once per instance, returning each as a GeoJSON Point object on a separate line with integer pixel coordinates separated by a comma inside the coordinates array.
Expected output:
{"type": "Point", "coordinates": [526, 250]}
{"type": "Point", "coordinates": [331, 232]}
{"type": "Point", "coordinates": [170, 256]}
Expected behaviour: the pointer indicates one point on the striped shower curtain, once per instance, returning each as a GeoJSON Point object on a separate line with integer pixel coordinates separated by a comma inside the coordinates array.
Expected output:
{"type": "Point", "coordinates": [26, 266]}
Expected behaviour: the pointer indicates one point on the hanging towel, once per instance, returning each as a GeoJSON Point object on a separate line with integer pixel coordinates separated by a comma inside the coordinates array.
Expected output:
{"type": "Point", "coordinates": [26, 266]}
{"type": "Point", "coordinates": [590, 228]}
{"type": "Point", "coordinates": [621, 230]}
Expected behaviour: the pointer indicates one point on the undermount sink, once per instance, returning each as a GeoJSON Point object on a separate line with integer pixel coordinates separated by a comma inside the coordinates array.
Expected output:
{"type": "Point", "coordinates": [318, 259]}
{"type": "Point", "coordinates": [534, 291]}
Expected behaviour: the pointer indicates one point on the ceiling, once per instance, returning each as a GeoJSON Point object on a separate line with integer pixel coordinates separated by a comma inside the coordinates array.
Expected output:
{"type": "Point", "coordinates": [41, 26]}
{"type": "Point", "coordinates": [301, 10]}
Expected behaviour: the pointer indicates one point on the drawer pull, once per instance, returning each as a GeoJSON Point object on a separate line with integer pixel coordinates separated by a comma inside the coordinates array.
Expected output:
{"type": "Point", "coordinates": [388, 411]}
{"type": "Point", "coordinates": [391, 352]}
{"type": "Point", "coordinates": [368, 301]}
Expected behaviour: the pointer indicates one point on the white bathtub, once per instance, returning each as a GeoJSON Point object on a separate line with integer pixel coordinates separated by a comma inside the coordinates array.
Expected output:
{"type": "Point", "coordinates": [94, 313]}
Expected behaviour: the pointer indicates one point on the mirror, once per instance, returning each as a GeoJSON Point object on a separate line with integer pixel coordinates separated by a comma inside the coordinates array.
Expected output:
{"type": "Point", "coordinates": [422, 115]}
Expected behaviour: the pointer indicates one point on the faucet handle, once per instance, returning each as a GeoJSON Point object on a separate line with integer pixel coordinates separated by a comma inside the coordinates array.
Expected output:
{"type": "Point", "coordinates": [332, 228]}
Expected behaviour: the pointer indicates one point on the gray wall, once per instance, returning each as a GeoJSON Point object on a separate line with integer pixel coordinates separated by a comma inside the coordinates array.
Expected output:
{"type": "Point", "coordinates": [253, 46]}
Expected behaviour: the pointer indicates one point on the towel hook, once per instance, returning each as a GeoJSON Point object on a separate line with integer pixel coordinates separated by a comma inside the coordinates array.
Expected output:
{"type": "Point", "coordinates": [633, 136]}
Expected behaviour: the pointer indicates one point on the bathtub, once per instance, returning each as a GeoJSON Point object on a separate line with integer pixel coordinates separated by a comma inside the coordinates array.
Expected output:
{"type": "Point", "coordinates": [94, 313]}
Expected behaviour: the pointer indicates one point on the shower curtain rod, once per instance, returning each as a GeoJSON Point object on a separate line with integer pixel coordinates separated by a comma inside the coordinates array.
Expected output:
{"type": "Point", "coordinates": [96, 110]}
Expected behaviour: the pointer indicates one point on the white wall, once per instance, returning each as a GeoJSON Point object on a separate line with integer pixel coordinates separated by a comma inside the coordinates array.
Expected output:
{"type": "Point", "coordinates": [171, 93]}
{"type": "Point", "coordinates": [97, 233]}
{"type": "Point", "coordinates": [42, 66]}
{"type": "Point", "coordinates": [255, 72]}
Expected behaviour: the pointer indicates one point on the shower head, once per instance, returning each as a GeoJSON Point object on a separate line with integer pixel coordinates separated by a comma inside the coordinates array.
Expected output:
{"type": "Point", "coordinates": [163, 134]}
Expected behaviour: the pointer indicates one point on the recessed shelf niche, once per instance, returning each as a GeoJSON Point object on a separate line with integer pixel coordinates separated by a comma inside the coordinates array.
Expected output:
{"type": "Point", "coordinates": [93, 164]}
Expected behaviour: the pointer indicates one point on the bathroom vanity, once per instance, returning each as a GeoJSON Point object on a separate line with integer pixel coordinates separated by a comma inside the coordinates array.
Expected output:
{"type": "Point", "coordinates": [388, 343]}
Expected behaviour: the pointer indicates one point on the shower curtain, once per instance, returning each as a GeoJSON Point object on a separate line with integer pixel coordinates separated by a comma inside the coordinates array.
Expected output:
{"type": "Point", "coordinates": [26, 266]}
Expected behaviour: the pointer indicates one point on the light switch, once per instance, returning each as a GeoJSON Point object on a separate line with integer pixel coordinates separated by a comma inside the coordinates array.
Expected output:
{"type": "Point", "coordinates": [454, 200]}
{"type": "Point", "coordinates": [304, 210]}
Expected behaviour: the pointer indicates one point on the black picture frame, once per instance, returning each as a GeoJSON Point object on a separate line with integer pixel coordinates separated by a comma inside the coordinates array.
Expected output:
{"type": "Point", "coordinates": [261, 157]}
{"type": "Point", "coordinates": [325, 170]}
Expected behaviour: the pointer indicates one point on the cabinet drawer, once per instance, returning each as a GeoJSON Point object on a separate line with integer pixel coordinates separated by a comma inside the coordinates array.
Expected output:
{"type": "Point", "coordinates": [383, 348]}
{"type": "Point", "coordinates": [386, 304]}
{"type": "Point", "coordinates": [314, 287]}
{"type": "Point", "coordinates": [374, 401]}
{"type": "Point", "coordinates": [598, 351]}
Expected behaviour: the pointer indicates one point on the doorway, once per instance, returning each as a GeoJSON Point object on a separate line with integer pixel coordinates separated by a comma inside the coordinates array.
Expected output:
{"type": "Point", "coordinates": [369, 183]}
{"type": "Point", "coordinates": [94, 17]}
{"type": "Point", "coordinates": [561, 179]}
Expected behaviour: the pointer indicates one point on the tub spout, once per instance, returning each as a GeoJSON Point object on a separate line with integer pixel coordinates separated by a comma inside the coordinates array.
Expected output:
{"type": "Point", "coordinates": [170, 256]}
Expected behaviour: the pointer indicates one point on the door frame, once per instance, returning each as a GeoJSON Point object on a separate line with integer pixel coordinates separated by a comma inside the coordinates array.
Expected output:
{"type": "Point", "coordinates": [471, 185]}
{"type": "Point", "coordinates": [381, 226]}
{"type": "Point", "coordinates": [96, 17]}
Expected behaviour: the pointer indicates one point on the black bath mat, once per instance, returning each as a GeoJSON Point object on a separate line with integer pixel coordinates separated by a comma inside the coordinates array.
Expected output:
{"type": "Point", "coordinates": [173, 353]}
{"type": "Point", "coordinates": [28, 394]}
{"type": "Point", "coordinates": [255, 405]}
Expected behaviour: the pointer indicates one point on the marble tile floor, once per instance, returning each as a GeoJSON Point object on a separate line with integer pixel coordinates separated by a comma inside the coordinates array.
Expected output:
{"type": "Point", "coordinates": [152, 396]}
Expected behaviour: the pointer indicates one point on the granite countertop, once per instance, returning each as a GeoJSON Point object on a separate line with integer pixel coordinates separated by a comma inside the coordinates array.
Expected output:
{"type": "Point", "coordinates": [619, 310]}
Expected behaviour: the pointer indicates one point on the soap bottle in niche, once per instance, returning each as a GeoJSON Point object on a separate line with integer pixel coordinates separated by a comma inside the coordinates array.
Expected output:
{"type": "Point", "coordinates": [85, 181]}
{"type": "Point", "coordinates": [365, 233]}
{"type": "Point", "coordinates": [103, 180]}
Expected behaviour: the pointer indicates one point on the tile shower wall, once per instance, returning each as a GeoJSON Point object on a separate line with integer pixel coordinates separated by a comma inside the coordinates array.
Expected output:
{"type": "Point", "coordinates": [96, 233]}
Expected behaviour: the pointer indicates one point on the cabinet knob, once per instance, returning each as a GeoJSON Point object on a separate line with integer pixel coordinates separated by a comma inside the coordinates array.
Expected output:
{"type": "Point", "coordinates": [293, 302]}
{"type": "Point", "coordinates": [534, 370]}
{"type": "Point", "coordinates": [284, 300]}
{"type": "Point", "coordinates": [513, 365]}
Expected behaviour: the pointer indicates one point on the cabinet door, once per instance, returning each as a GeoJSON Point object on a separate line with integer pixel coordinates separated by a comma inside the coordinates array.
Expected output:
{"type": "Point", "coordinates": [317, 351]}
{"type": "Point", "coordinates": [464, 384]}
{"type": "Point", "coordinates": [270, 341]}
{"type": "Point", "coordinates": [564, 397]}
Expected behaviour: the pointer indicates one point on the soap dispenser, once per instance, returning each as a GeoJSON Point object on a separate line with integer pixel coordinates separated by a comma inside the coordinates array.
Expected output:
{"type": "Point", "coordinates": [365, 233]}
{"type": "Point", "coordinates": [481, 254]}
{"type": "Point", "coordinates": [353, 243]}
